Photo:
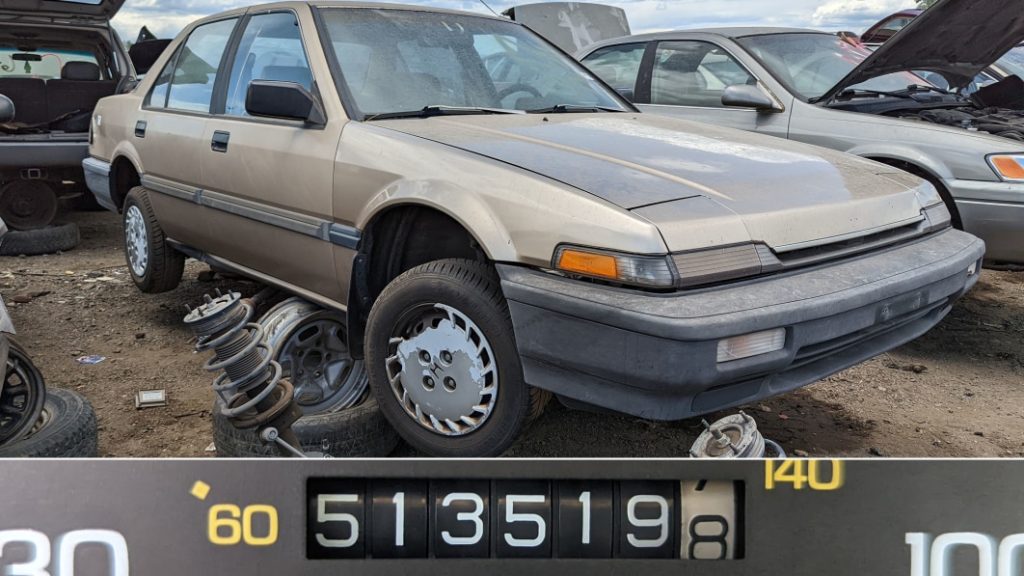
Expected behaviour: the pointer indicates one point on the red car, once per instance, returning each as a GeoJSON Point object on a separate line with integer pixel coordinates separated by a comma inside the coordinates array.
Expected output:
{"type": "Point", "coordinates": [888, 26]}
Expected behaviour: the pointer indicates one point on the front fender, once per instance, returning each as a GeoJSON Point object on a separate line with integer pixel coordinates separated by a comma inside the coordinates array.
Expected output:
{"type": "Point", "coordinates": [908, 154]}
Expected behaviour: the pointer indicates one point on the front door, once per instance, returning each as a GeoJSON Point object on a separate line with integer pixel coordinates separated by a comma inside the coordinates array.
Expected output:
{"type": "Point", "coordinates": [269, 183]}
{"type": "Point", "coordinates": [686, 79]}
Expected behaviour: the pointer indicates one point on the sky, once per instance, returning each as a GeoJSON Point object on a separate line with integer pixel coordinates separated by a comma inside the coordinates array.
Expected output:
{"type": "Point", "coordinates": [167, 17]}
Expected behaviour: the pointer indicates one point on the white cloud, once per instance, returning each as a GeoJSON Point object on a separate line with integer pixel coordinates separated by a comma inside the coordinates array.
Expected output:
{"type": "Point", "coordinates": [843, 11]}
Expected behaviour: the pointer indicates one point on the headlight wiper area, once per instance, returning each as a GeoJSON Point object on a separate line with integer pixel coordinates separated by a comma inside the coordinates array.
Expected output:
{"type": "Point", "coordinates": [441, 110]}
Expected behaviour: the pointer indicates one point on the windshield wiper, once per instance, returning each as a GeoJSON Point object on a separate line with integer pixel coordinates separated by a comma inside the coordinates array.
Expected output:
{"type": "Point", "coordinates": [441, 110]}
{"type": "Point", "coordinates": [570, 108]}
{"type": "Point", "coordinates": [907, 93]}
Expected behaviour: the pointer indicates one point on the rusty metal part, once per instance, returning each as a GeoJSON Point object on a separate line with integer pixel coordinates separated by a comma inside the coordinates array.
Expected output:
{"type": "Point", "coordinates": [734, 436]}
{"type": "Point", "coordinates": [251, 391]}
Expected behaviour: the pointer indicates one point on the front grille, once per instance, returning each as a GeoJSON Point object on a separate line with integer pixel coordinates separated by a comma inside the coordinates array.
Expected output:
{"type": "Point", "coordinates": [850, 246]}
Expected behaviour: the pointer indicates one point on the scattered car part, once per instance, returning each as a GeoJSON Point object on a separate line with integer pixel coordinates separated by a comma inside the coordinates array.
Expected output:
{"type": "Point", "coordinates": [66, 428]}
{"type": "Point", "coordinates": [28, 204]}
{"type": "Point", "coordinates": [311, 345]}
{"type": "Point", "coordinates": [48, 240]}
{"type": "Point", "coordinates": [734, 436]}
{"type": "Point", "coordinates": [22, 395]}
{"type": "Point", "coordinates": [150, 399]}
{"type": "Point", "coordinates": [360, 431]}
{"type": "Point", "coordinates": [251, 391]}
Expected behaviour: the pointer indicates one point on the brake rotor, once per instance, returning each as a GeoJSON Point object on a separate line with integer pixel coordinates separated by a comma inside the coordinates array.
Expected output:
{"type": "Point", "coordinates": [28, 204]}
{"type": "Point", "coordinates": [734, 436]}
{"type": "Point", "coordinates": [21, 398]}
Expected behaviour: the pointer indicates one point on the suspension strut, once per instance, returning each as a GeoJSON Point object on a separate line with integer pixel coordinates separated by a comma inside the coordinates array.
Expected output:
{"type": "Point", "coordinates": [252, 393]}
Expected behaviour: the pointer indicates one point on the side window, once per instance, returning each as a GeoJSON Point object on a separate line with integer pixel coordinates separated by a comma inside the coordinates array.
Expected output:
{"type": "Point", "coordinates": [694, 74]}
{"type": "Point", "coordinates": [195, 68]}
{"type": "Point", "coordinates": [618, 66]}
{"type": "Point", "coordinates": [158, 94]}
{"type": "Point", "coordinates": [270, 49]}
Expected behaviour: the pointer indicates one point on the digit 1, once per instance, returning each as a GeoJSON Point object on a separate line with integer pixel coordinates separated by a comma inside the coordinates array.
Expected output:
{"type": "Point", "coordinates": [399, 501]}
{"type": "Point", "coordinates": [585, 501]}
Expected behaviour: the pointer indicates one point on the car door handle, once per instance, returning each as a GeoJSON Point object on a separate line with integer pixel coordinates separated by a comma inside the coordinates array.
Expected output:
{"type": "Point", "coordinates": [140, 129]}
{"type": "Point", "coordinates": [220, 141]}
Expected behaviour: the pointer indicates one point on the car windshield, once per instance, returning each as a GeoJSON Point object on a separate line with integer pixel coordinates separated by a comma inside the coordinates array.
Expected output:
{"type": "Point", "coordinates": [395, 61]}
{"type": "Point", "coordinates": [41, 63]}
{"type": "Point", "coordinates": [1013, 61]}
{"type": "Point", "coordinates": [811, 64]}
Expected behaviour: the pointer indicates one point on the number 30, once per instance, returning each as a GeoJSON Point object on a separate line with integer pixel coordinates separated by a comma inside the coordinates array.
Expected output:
{"type": "Point", "coordinates": [39, 551]}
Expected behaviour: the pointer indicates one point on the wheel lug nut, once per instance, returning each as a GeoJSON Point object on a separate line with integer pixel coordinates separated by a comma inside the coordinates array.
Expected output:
{"type": "Point", "coordinates": [449, 383]}
{"type": "Point", "coordinates": [428, 382]}
{"type": "Point", "coordinates": [446, 356]}
{"type": "Point", "coordinates": [425, 356]}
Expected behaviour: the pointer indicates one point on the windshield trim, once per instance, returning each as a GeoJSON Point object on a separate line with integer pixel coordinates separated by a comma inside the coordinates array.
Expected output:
{"type": "Point", "coordinates": [348, 101]}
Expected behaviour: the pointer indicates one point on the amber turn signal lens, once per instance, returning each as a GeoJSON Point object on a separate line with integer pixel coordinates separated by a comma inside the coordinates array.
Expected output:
{"type": "Point", "coordinates": [588, 263]}
{"type": "Point", "coordinates": [1009, 167]}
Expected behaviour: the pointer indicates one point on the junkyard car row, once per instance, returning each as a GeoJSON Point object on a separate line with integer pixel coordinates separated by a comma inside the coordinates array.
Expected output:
{"type": "Point", "coordinates": [487, 236]}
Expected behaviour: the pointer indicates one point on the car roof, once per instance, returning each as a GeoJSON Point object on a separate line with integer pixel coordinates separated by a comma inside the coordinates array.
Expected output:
{"type": "Point", "coordinates": [344, 4]}
{"type": "Point", "coordinates": [733, 32]}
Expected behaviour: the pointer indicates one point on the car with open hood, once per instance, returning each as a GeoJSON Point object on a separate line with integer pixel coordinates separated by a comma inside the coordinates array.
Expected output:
{"type": "Point", "coordinates": [493, 241]}
{"type": "Point", "coordinates": [817, 88]}
{"type": "Point", "coordinates": [57, 59]}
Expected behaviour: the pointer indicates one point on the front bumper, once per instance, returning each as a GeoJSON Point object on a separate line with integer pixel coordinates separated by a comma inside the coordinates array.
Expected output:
{"type": "Point", "coordinates": [97, 178]}
{"type": "Point", "coordinates": [655, 355]}
{"type": "Point", "coordinates": [993, 211]}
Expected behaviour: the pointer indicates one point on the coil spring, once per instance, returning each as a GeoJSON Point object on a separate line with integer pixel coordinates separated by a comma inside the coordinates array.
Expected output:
{"type": "Point", "coordinates": [250, 374]}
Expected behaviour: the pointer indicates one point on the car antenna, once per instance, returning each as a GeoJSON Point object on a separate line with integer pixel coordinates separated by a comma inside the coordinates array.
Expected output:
{"type": "Point", "coordinates": [489, 7]}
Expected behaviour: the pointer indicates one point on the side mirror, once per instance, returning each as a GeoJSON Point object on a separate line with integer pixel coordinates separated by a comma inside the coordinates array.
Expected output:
{"type": "Point", "coordinates": [287, 100]}
{"type": "Point", "coordinates": [145, 54]}
{"type": "Point", "coordinates": [747, 96]}
{"type": "Point", "coordinates": [626, 93]}
{"type": "Point", "coordinates": [6, 110]}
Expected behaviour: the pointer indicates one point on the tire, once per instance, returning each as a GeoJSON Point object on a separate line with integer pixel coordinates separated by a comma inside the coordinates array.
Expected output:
{"type": "Point", "coordinates": [49, 240]}
{"type": "Point", "coordinates": [163, 266]}
{"type": "Point", "coordinates": [68, 430]}
{"type": "Point", "coordinates": [357, 432]}
{"type": "Point", "coordinates": [472, 289]}
{"type": "Point", "coordinates": [23, 394]}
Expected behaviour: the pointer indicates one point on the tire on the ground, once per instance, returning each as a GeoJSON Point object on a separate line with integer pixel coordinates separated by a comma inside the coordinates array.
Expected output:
{"type": "Point", "coordinates": [49, 240]}
{"type": "Point", "coordinates": [357, 432]}
{"type": "Point", "coordinates": [69, 430]}
{"type": "Point", "coordinates": [166, 265]}
{"type": "Point", "coordinates": [473, 288]}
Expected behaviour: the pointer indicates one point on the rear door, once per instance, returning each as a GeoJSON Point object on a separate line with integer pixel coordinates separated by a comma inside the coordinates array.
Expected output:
{"type": "Point", "coordinates": [686, 78]}
{"type": "Point", "coordinates": [169, 130]}
{"type": "Point", "coordinates": [268, 182]}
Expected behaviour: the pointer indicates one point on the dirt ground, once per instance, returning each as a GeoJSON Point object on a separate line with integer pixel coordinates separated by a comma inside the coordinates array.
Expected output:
{"type": "Point", "coordinates": [956, 392]}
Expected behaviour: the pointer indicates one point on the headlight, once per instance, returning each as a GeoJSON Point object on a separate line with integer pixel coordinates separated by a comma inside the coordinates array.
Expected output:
{"type": "Point", "coordinates": [685, 269]}
{"type": "Point", "coordinates": [1008, 166]}
{"type": "Point", "coordinates": [648, 271]}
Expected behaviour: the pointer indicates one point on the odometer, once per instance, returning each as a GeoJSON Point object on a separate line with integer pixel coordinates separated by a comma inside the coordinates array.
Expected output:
{"type": "Point", "coordinates": [393, 518]}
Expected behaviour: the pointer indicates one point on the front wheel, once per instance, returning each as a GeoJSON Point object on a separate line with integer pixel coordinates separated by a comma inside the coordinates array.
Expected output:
{"type": "Point", "coordinates": [443, 363]}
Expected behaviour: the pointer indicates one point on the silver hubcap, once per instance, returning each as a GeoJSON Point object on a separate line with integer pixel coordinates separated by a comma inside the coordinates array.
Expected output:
{"type": "Point", "coordinates": [443, 372]}
{"type": "Point", "coordinates": [135, 240]}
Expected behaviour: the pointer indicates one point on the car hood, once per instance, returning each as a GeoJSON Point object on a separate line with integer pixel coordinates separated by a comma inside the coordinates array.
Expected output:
{"type": "Point", "coordinates": [955, 38]}
{"type": "Point", "coordinates": [100, 10]}
{"type": "Point", "coordinates": [785, 193]}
